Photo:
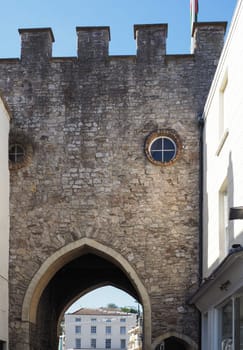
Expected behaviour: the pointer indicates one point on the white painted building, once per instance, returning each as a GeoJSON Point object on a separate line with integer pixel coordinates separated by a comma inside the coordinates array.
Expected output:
{"type": "Point", "coordinates": [98, 329]}
{"type": "Point", "coordinates": [4, 225]}
{"type": "Point", "coordinates": [220, 297]}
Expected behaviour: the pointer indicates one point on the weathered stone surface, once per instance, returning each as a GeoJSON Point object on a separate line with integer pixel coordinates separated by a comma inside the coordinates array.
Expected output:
{"type": "Point", "coordinates": [89, 176]}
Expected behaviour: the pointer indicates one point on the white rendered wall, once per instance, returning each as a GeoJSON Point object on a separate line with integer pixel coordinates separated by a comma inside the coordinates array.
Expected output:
{"type": "Point", "coordinates": [223, 149]}
{"type": "Point", "coordinates": [4, 221]}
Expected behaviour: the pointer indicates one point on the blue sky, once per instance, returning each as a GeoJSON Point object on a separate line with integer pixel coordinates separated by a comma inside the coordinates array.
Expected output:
{"type": "Point", "coordinates": [63, 17]}
{"type": "Point", "coordinates": [102, 297]}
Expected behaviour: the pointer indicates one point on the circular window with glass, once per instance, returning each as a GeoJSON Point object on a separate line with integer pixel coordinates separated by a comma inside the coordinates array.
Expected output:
{"type": "Point", "coordinates": [16, 153]}
{"type": "Point", "coordinates": [163, 147]}
{"type": "Point", "coordinates": [20, 151]}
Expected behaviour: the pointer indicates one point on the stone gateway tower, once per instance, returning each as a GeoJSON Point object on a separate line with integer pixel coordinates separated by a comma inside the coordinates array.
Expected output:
{"type": "Point", "coordinates": [104, 161]}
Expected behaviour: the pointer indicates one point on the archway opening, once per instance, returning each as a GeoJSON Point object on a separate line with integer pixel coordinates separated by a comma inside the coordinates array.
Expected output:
{"type": "Point", "coordinates": [105, 317]}
{"type": "Point", "coordinates": [173, 343]}
{"type": "Point", "coordinates": [74, 279]}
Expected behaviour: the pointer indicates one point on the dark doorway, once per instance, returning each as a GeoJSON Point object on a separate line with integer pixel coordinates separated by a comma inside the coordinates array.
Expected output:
{"type": "Point", "coordinates": [172, 343]}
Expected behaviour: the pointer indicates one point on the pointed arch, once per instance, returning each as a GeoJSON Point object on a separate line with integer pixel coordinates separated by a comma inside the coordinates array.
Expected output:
{"type": "Point", "coordinates": [69, 252]}
{"type": "Point", "coordinates": [192, 345]}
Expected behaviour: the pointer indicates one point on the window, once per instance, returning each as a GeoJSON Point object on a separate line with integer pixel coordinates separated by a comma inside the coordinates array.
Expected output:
{"type": "Point", "coordinates": [93, 319]}
{"type": "Point", "coordinates": [93, 343]}
{"type": "Point", "coordinates": [163, 148]}
{"type": "Point", "coordinates": [108, 320]}
{"type": "Point", "coordinates": [226, 330]}
{"type": "Point", "coordinates": [108, 343]}
{"type": "Point", "coordinates": [223, 107]}
{"type": "Point", "coordinates": [123, 344]}
{"type": "Point", "coordinates": [77, 329]}
{"type": "Point", "coordinates": [239, 323]}
{"type": "Point", "coordinates": [93, 329]}
{"type": "Point", "coordinates": [108, 330]}
{"type": "Point", "coordinates": [20, 151]}
{"type": "Point", "coordinates": [16, 153]}
{"type": "Point", "coordinates": [231, 324]}
{"type": "Point", "coordinates": [122, 319]}
{"type": "Point", "coordinates": [122, 330]}
{"type": "Point", "coordinates": [224, 219]}
{"type": "Point", "coordinates": [205, 333]}
{"type": "Point", "coordinates": [78, 343]}
{"type": "Point", "coordinates": [2, 345]}
{"type": "Point", "coordinates": [77, 319]}
{"type": "Point", "coordinates": [224, 112]}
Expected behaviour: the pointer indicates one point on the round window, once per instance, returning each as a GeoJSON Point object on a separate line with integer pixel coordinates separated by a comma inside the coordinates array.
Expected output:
{"type": "Point", "coordinates": [163, 147]}
{"type": "Point", "coordinates": [20, 150]}
{"type": "Point", "coordinates": [16, 153]}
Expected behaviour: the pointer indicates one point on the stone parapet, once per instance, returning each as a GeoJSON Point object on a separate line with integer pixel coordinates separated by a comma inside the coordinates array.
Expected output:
{"type": "Point", "coordinates": [93, 43]}
{"type": "Point", "coordinates": [151, 41]}
{"type": "Point", "coordinates": [36, 44]}
{"type": "Point", "coordinates": [208, 37]}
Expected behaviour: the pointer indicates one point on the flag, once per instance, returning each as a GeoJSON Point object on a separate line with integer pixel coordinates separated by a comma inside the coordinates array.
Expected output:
{"type": "Point", "coordinates": [194, 11]}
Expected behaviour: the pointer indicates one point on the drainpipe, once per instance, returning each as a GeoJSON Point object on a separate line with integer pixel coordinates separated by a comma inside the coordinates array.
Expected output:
{"type": "Point", "coordinates": [201, 169]}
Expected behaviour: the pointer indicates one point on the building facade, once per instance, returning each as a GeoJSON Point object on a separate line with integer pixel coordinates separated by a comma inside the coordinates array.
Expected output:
{"type": "Point", "coordinates": [220, 297]}
{"type": "Point", "coordinates": [98, 329]}
{"type": "Point", "coordinates": [4, 225]}
{"type": "Point", "coordinates": [105, 161]}
{"type": "Point", "coordinates": [135, 338]}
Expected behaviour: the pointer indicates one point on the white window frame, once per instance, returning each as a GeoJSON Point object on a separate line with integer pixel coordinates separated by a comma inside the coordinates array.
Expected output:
{"type": "Point", "coordinates": [108, 343]}
{"type": "Point", "coordinates": [222, 111]}
{"type": "Point", "coordinates": [93, 343]}
{"type": "Point", "coordinates": [107, 329]}
{"type": "Point", "coordinates": [224, 219]}
{"type": "Point", "coordinates": [123, 330]}
{"type": "Point", "coordinates": [93, 329]}
{"type": "Point", "coordinates": [78, 346]}
{"type": "Point", "coordinates": [77, 329]}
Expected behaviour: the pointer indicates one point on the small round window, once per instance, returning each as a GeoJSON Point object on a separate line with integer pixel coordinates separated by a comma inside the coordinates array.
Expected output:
{"type": "Point", "coordinates": [20, 150]}
{"type": "Point", "coordinates": [162, 148]}
{"type": "Point", "coordinates": [16, 153]}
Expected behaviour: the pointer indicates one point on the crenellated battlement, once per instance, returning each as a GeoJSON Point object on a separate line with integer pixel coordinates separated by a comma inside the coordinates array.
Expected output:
{"type": "Point", "coordinates": [151, 41]}
{"type": "Point", "coordinates": [93, 42]}
{"type": "Point", "coordinates": [208, 36]}
{"type": "Point", "coordinates": [36, 43]}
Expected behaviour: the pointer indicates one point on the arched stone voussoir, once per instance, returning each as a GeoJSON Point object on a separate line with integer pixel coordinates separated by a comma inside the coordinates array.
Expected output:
{"type": "Point", "coordinates": [188, 341]}
{"type": "Point", "coordinates": [66, 254]}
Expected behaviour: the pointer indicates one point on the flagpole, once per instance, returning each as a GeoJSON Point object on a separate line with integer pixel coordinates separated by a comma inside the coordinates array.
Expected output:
{"type": "Point", "coordinates": [192, 14]}
{"type": "Point", "coordinates": [194, 11]}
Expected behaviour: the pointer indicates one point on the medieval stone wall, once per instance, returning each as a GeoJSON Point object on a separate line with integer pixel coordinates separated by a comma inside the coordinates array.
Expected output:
{"type": "Point", "coordinates": [84, 122]}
